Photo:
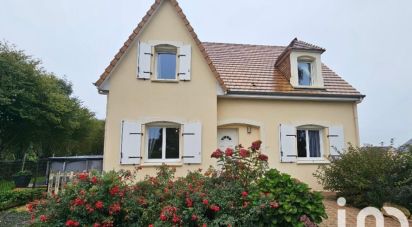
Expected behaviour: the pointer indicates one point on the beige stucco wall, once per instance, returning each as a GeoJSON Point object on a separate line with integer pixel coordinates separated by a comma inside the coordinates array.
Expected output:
{"type": "Point", "coordinates": [145, 100]}
{"type": "Point", "coordinates": [270, 113]}
{"type": "Point", "coordinates": [196, 100]}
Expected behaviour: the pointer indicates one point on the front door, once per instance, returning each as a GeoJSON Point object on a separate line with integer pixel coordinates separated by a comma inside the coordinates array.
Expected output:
{"type": "Point", "coordinates": [227, 137]}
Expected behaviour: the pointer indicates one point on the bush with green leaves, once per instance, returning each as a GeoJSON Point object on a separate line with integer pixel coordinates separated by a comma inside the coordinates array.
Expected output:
{"type": "Point", "coordinates": [370, 176]}
{"type": "Point", "coordinates": [227, 196]}
{"type": "Point", "coordinates": [13, 198]}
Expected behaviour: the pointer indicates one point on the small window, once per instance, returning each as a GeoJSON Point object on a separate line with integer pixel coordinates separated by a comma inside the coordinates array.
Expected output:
{"type": "Point", "coordinates": [309, 143]}
{"type": "Point", "coordinates": [166, 62]}
{"type": "Point", "coordinates": [163, 143]}
{"type": "Point", "coordinates": [305, 73]}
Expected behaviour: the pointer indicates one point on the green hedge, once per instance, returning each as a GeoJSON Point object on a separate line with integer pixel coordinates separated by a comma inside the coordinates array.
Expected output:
{"type": "Point", "coordinates": [9, 199]}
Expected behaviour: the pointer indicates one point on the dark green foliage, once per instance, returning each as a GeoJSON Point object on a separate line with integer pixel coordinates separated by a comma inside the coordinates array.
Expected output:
{"type": "Point", "coordinates": [38, 111]}
{"type": "Point", "coordinates": [284, 201]}
{"type": "Point", "coordinates": [370, 176]}
{"type": "Point", "coordinates": [9, 199]}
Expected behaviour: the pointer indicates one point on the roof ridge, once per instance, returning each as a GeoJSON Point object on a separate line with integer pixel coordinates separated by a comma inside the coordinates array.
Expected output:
{"type": "Point", "coordinates": [243, 44]}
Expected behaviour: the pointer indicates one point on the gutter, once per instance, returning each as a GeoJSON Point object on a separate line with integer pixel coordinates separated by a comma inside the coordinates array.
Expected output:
{"type": "Point", "coordinates": [292, 96]}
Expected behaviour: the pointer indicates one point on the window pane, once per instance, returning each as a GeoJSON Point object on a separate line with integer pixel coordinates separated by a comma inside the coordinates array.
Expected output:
{"type": "Point", "coordinates": [172, 143]}
{"type": "Point", "coordinates": [301, 141]}
{"type": "Point", "coordinates": [314, 143]}
{"type": "Point", "coordinates": [155, 142]}
{"type": "Point", "coordinates": [166, 66]}
{"type": "Point", "coordinates": [304, 72]}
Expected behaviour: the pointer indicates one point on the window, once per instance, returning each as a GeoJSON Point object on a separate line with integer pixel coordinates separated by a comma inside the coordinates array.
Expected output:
{"type": "Point", "coordinates": [163, 143]}
{"type": "Point", "coordinates": [309, 143]}
{"type": "Point", "coordinates": [305, 73]}
{"type": "Point", "coordinates": [166, 62]}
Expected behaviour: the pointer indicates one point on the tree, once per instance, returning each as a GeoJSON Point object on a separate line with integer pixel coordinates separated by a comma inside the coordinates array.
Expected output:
{"type": "Point", "coordinates": [37, 109]}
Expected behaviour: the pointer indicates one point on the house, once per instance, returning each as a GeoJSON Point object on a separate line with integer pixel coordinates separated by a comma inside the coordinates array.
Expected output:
{"type": "Point", "coordinates": [406, 146]}
{"type": "Point", "coordinates": [174, 99]}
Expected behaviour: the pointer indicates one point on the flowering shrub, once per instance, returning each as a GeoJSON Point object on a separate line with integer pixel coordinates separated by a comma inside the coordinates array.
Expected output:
{"type": "Point", "coordinates": [89, 200]}
{"type": "Point", "coordinates": [229, 196]}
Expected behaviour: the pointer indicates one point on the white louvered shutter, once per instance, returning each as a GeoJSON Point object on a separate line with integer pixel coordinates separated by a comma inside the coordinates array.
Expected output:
{"type": "Point", "coordinates": [185, 60]}
{"type": "Point", "coordinates": [144, 60]}
{"type": "Point", "coordinates": [336, 141]}
{"type": "Point", "coordinates": [131, 143]}
{"type": "Point", "coordinates": [192, 143]}
{"type": "Point", "coordinates": [288, 148]}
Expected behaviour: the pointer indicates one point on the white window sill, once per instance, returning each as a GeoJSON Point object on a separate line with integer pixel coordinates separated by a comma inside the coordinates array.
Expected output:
{"type": "Point", "coordinates": [156, 164]}
{"type": "Point", "coordinates": [164, 81]}
{"type": "Point", "coordinates": [312, 161]}
{"type": "Point", "coordinates": [309, 87]}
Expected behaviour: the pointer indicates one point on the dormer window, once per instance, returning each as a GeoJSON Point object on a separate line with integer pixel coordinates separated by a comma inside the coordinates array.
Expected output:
{"type": "Point", "coordinates": [166, 62]}
{"type": "Point", "coordinates": [304, 73]}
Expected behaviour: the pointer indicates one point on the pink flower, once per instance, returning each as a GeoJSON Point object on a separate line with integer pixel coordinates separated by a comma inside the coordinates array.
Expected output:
{"type": "Point", "coordinates": [97, 225]}
{"type": "Point", "coordinates": [189, 202]}
{"type": "Point", "coordinates": [217, 154]}
{"type": "Point", "coordinates": [72, 223]}
{"type": "Point", "coordinates": [194, 217]}
{"type": "Point", "coordinates": [176, 218]}
{"type": "Point", "coordinates": [244, 153]}
{"type": "Point", "coordinates": [229, 152]}
{"type": "Point", "coordinates": [244, 194]}
{"type": "Point", "coordinates": [83, 176]}
{"type": "Point", "coordinates": [43, 218]}
{"type": "Point", "coordinates": [78, 202]}
{"type": "Point", "coordinates": [215, 208]}
{"type": "Point", "coordinates": [274, 204]}
{"type": "Point", "coordinates": [114, 190]}
{"type": "Point", "coordinates": [163, 217]}
{"type": "Point", "coordinates": [205, 201]}
{"type": "Point", "coordinates": [151, 225]}
{"type": "Point", "coordinates": [99, 204]}
{"type": "Point", "coordinates": [263, 157]}
{"type": "Point", "coordinates": [114, 208]}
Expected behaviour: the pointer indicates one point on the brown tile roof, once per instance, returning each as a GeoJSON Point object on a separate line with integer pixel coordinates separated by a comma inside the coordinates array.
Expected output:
{"type": "Point", "coordinates": [251, 69]}
{"type": "Point", "coordinates": [139, 28]}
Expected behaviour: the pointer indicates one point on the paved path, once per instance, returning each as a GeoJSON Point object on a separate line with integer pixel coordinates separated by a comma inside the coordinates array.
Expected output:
{"type": "Point", "coordinates": [351, 214]}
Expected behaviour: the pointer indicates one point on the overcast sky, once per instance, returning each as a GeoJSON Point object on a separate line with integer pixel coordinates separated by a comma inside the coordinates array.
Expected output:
{"type": "Point", "coordinates": [368, 43]}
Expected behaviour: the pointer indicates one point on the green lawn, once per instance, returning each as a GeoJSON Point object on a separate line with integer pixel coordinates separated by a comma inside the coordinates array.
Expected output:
{"type": "Point", "coordinates": [6, 185]}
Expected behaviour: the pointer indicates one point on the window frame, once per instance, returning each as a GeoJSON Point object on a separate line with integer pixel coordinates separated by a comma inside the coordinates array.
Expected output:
{"type": "Point", "coordinates": [162, 49]}
{"type": "Point", "coordinates": [163, 159]}
{"type": "Point", "coordinates": [311, 76]}
{"type": "Point", "coordinates": [321, 144]}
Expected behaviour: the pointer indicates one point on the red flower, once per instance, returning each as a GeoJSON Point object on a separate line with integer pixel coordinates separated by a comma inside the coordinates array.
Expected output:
{"type": "Point", "coordinates": [229, 152]}
{"type": "Point", "coordinates": [114, 208]}
{"type": "Point", "coordinates": [244, 194]}
{"type": "Point", "coordinates": [189, 202]}
{"type": "Point", "coordinates": [96, 224]}
{"type": "Point", "coordinates": [176, 218]}
{"type": "Point", "coordinates": [244, 153]}
{"type": "Point", "coordinates": [263, 157]}
{"type": "Point", "coordinates": [72, 223]}
{"type": "Point", "coordinates": [114, 190]}
{"type": "Point", "coordinates": [43, 218]}
{"type": "Point", "coordinates": [214, 208]}
{"type": "Point", "coordinates": [217, 154]}
{"type": "Point", "coordinates": [204, 225]}
{"type": "Point", "coordinates": [205, 201]}
{"type": "Point", "coordinates": [89, 208]}
{"type": "Point", "coordinates": [83, 176]}
{"type": "Point", "coordinates": [93, 180]}
{"type": "Point", "coordinates": [194, 217]}
{"type": "Point", "coordinates": [78, 202]}
{"type": "Point", "coordinates": [30, 207]}
{"type": "Point", "coordinates": [256, 145]}
{"type": "Point", "coordinates": [99, 204]}
{"type": "Point", "coordinates": [274, 204]}
{"type": "Point", "coordinates": [151, 225]}
{"type": "Point", "coordinates": [163, 217]}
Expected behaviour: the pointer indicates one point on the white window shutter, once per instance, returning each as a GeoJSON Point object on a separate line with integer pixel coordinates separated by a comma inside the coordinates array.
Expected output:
{"type": "Point", "coordinates": [185, 60]}
{"type": "Point", "coordinates": [144, 60]}
{"type": "Point", "coordinates": [336, 140]}
{"type": "Point", "coordinates": [288, 145]}
{"type": "Point", "coordinates": [131, 143]}
{"type": "Point", "coordinates": [192, 143]}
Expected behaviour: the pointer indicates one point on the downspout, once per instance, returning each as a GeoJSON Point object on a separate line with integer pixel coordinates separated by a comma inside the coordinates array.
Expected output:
{"type": "Point", "coordinates": [355, 119]}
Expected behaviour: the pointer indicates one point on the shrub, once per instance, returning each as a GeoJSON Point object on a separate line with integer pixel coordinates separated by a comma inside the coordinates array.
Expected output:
{"type": "Point", "coordinates": [224, 197]}
{"type": "Point", "coordinates": [9, 199]}
{"type": "Point", "coordinates": [369, 176]}
{"type": "Point", "coordinates": [6, 185]}
{"type": "Point", "coordinates": [280, 200]}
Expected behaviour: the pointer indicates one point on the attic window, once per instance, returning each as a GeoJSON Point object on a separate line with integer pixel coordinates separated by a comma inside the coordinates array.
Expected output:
{"type": "Point", "coordinates": [304, 72]}
{"type": "Point", "coordinates": [166, 62]}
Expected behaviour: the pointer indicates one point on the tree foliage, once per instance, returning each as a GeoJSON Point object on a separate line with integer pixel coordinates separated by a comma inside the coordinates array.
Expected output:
{"type": "Point", "coordinates": [38, 111]}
